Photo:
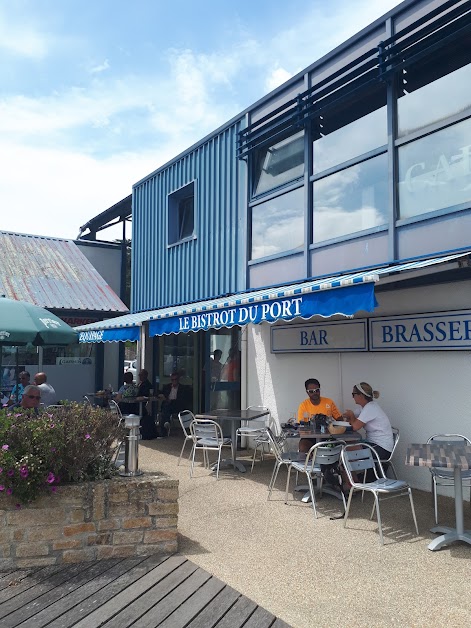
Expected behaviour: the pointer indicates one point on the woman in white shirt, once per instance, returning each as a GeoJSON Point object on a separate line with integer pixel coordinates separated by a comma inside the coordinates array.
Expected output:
{"type": "Point", "coordinates": [372, 417]}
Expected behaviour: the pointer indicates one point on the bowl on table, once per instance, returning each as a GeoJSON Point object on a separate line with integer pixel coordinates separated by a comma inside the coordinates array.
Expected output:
{"type": "Point", "coordinates": [338, 427]}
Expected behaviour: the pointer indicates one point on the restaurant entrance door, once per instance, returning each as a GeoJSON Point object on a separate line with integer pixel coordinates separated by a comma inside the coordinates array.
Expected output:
{"type": "Point", "coordinates": [222, 369]}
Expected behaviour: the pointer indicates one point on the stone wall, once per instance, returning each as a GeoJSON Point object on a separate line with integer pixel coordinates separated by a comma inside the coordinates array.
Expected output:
{"type": "Point", "coordinates": [81, 522]}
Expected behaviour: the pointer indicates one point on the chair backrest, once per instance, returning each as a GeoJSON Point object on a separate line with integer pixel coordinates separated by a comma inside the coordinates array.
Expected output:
{"type": "Point", "coordinates": [321, 453]}
{"type": "Point", "coordinates": [274, 444]}
{"type": "Point", "coordinates": [449, 438]}
{"type": "Point", "coordinates": [204, 429]}
{"type": "Point", "coordinates": [115, 410]}
{"type": "Point", "coordinates": [86, 400]}
{"type": "Point", "coordinates": [360, 457]}
{"type": "Point", "coordinates": [396, 435]}
{"type": "Point", "coordinates": [266, 419]}
{"type": "Point", "coordinates": [186, 417]}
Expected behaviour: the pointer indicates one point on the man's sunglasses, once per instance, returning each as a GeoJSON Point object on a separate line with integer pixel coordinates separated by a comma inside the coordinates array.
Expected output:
{"type": "Point", "coordinates": [34, 396]}
{"type": "Point", "coordinates": [311, 391]}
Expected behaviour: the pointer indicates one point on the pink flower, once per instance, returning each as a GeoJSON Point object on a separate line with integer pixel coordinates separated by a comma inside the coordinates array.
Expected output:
{"type": "Point", "coordinates": [1, 469]}
{"type": "Point", "coordinates": [17, 506]}
{"type": "Point", "coordinates": [9, 491]}
{"type": "Point", "coordinates": [50, 478]}
{"type": "Point", "coordinates": [24, 472]}
{"type": "Point", "coordinates": [2, 488]}
{"type": "Point", "coordinates": [5, 447]}
{"type": "Point", "coordinates": [11, 473]}
{"type": "Point", "coordinates": [87, 436]}
{"type": "Point", "coordinates": [54, 489]}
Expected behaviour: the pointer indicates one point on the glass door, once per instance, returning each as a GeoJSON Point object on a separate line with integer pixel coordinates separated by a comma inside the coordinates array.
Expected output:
{"type": "Point", "coordinates": [222, 369]}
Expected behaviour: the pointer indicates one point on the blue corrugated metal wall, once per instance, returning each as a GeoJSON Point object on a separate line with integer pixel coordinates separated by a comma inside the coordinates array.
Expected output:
{"type": "Point", "coordinates": [214, 262]}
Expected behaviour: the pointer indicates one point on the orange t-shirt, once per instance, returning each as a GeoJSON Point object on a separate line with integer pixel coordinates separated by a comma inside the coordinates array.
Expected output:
{"type": "Point", "coordinates": [325, 406]}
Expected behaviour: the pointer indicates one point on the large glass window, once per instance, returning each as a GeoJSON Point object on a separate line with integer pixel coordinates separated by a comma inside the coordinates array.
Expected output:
{"type": "Point", "coordinates": [434, 102]}
{"type": "Point", "coordinates": [351, 200]}
{"type": "Point", "coordinates": [358, 137]}
{"type": "Point", "coordinates": [435, 171]}
{"type": "Point", "coordinates": [278, 224]}
{"type": "Point", "coordinates": [278, 164]}
{"type": "Point", "coordinates": [181, 209]}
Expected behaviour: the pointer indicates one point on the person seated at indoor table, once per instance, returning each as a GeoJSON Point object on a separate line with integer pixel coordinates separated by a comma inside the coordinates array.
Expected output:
{"type": "Point", "coordinates": [175, 397]}
{"type": "Point", "coordinates": [370, 416]}
{"type": "Point", "coordinates": [128, 391]}
{"type": "Point", "coordinates": [148, 427]}
{"type": "Point", "coordinates": [315, 404]}
{"type": "Point", "coordinates": [29, 400]}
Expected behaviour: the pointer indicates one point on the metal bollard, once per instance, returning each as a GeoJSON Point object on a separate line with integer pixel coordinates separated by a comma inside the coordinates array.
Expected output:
{"type": "Point", "coordinates": [131, 452]}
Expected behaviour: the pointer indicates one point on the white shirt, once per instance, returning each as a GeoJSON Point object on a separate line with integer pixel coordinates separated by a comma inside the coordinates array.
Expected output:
{"type": "Point", "coordinates": [48, 394]}
{"type": "Point", "coordinates": [377, 425]}
{"type": "Point", "coordinates": [173, 393]}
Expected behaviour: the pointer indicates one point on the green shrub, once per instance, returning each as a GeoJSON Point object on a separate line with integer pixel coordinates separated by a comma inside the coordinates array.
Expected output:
{"type": "Point", "coordinates": [73, 443]}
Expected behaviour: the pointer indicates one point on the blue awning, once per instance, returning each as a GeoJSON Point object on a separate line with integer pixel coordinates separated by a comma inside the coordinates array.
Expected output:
{"type": "Point", "coordinates": [343, 295]}
{"type": "Point", "coordinates": [242, 311]}
{"type": "Point", "coordinates": [110, 335]}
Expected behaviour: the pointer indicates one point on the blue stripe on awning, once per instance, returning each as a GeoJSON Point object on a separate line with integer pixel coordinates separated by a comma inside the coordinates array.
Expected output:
{"type": "Point", "coordinates": [346, 301]}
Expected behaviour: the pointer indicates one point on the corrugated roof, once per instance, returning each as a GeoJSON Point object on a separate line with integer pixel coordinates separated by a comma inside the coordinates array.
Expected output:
{"type": "Point", "coordinates": [52, 273]}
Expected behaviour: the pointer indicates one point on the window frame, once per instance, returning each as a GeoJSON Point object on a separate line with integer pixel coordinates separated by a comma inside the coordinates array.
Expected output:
{"type": "Point", "coordinates": [175, 216]}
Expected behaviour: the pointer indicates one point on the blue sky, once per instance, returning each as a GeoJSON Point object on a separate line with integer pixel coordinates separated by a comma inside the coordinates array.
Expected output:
{"type": "Point", "coordinates": [97, 94]}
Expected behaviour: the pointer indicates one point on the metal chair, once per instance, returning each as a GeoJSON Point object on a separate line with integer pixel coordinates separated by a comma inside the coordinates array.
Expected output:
{"type": "Point", "coordinates": [207, 435]}
{"type": "Point", "coordinates": [319, 454]}
{"type": "Point", "coordinates": [282, 458]}
{"type": "Point", "coordinates": [388, 461]}
{"type": "Point", "coordinates": [258, 433]}
{"type": "Point", "coordinates": [186, 418]}
{"type": "Point", "coordinates": [444, 477]}
{"type": "Point", "coordinates": [115, 410]}
{"type": "Point", "coordinates": [360, 457]}
{"type": "Point", "coordinates": [87, 401]}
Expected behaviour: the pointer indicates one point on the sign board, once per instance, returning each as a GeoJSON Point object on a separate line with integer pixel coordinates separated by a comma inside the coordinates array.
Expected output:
{"type": "Point", "coordinates": [64, 361]}
{"type": "Point", "coordinates": [320, 337]}
{"type": "Point", "coordinates": [422, 332]}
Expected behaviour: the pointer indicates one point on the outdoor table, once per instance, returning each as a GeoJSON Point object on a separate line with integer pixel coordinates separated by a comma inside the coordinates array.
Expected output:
{"type": "Point", "coordinates": [233, 416]}
{"type": "Point", "coordinates": [443, 455]}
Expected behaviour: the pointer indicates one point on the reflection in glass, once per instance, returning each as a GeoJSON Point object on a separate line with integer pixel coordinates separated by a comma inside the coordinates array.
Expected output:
{"type": "Point", "coordinates": [436, 101]}
{"type": "Point", "coordinates": [349, 141]}
{"type": "Point", "coordinates": [279, 164]}
{"type": "Point", "coordinates": [278, 224]}
{"type": "Point", "coordinates": [351, 200]}
{"type": "Point", "coordinates": [435, 171]}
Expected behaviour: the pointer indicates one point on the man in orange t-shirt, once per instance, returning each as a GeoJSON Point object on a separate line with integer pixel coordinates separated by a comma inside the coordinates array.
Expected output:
{"type": "Point", "coordinates": [315, 404]}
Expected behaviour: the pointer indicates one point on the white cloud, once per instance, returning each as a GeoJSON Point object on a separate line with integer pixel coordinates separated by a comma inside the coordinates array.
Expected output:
{"type": "Point", "coordinates": [96, 69]}
{"type": "Point", "coordinates": [22, 39]}
{"type": "Point", "coordinates": [277, 78]}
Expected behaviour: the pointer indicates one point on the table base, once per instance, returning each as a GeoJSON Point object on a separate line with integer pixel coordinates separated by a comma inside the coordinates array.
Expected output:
{"type": "Point", "coordinates": [449, 535]}
{"type": "Point", "coordinates": [306, 498]}
{"type": "Point", "coordinates": [228, 462]}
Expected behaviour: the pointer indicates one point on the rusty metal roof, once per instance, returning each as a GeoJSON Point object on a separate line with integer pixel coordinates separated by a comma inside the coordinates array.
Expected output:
{"type": "Point", "coordinates": [54, 274]}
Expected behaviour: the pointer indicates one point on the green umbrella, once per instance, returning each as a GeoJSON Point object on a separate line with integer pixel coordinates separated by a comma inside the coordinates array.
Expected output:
{"type": "Point", "coordinates": [21, 323]}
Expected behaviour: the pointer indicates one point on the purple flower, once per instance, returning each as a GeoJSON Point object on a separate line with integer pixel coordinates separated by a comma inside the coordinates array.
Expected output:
{"type": "Point", "coordinates": [53, 489]}
{"type": "Point", "coordinates": [2, 488]}
{"type": "Point", "coordinates": [5, 447]}
{"type": "Point", "coordinates": [24, 472]}
{"type": "Point", "coordinates": [11, 473]}
{"type": "Point", "coordinates": [1, 469]}
{"type": "Point", "coordinates": [9, 491]}
{"type": "Point", "coordinates": [53, 449]}
{"type": "Point", "coordinates": [50, 478]}
{"type": "Point", "coordinates": [17, 506]}
{"type": "Point", "coordinates": [87, 436]}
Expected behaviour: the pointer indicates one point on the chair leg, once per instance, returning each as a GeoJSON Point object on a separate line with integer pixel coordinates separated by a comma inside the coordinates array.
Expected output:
{"type": "Point", "coordinates": [288, 475]}
{"type": "Point", "coordinates": [381, 540]}
{"type": "Point", "coordinates": [413, 511]}
{"type": "Point", "coordinates": [181, 453]}
{"type": "Point", "coordinates": [219, 462]}
{"type": "Point", "coordinates": [270, 484]}
{"type": "Point", "coordinates": [193, 451]}
{"type": "Point", "coordinates": [275, 474]}
{"type": "Point", "coordinates": [435, 500]}
{"type": "Point", "coordinates": [253, 458]}
{"type": "Point", "coordinates": [347, 509]}
{"type": "Point", "coordinates": [313, 497]}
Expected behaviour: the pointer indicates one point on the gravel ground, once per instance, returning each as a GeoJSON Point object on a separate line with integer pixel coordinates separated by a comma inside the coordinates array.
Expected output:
{"type": "Point", "coordinates": [315, 572]}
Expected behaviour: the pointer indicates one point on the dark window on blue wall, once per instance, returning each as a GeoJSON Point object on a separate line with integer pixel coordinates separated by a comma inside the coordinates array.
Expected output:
{"type": "Point", "coordinates": [279, 164]}
{"type": "Point", "coordinates": [181, 214]}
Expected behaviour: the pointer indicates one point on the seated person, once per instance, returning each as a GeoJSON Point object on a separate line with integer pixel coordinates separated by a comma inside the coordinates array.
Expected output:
{"type": "Point", "coordinates": [374, 420]}
{"type": "Point", "coordinates": [129, 391]}
{"type": "Point", "coordinates": [19, 388]}
{"type": "Point", "coordinates": [315, 404]}
{"type": "Point", "coordinates": [175, 397]}
{"type": "Point", "coordinates": [48, 394]}
{"type": "Point", "coordinates": [30, 400]}
{"type": "Point", "coordinates": [148, 427]}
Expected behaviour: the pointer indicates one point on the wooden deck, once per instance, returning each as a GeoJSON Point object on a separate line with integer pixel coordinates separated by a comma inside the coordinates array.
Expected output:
{"type": "Point", "coordinates": [170, 592]}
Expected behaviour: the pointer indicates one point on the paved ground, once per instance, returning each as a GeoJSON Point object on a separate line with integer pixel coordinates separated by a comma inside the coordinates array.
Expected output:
{"type": "Point", "coordinates": [316, 572]}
